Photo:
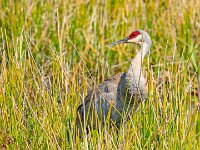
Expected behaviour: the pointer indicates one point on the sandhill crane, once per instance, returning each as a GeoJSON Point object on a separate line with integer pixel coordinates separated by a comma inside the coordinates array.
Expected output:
{"type": "Point", "coordinates": [119, 94]}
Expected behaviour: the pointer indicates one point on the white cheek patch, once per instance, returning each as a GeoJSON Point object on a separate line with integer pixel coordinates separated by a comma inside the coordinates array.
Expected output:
{"type": "Point", "coordinates": [136, 39]}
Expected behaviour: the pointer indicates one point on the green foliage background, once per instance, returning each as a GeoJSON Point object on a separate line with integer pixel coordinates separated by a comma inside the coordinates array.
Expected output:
{"type": "Point", "coordinates": [53, 51]}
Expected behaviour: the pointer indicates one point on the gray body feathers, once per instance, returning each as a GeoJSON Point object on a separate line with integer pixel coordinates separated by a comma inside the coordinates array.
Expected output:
{"type": "Point", "coordinates": [112, 98]}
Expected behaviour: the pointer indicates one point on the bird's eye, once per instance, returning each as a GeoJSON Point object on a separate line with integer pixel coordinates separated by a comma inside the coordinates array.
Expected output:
{"type": "Point", "coordinates": [134, 34]}
{"type": "Point", "coordinates": [141, 40]}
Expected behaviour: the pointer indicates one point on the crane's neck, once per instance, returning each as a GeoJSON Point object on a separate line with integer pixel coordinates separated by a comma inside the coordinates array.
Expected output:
{"type": "Point", "coordinates": [135, 70]}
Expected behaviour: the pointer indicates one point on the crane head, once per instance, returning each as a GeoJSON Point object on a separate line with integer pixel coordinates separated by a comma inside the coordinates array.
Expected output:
{"type": "Point", "coordinates": [137, 37]}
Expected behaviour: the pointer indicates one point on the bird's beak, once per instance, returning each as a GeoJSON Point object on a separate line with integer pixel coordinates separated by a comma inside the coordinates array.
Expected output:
{"type": "Point", "coordinates": [124, 40]}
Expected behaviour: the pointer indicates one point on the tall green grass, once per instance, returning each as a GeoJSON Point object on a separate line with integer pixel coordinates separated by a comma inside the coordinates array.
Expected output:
{"type": "Point", "coordinates": [53, 52]}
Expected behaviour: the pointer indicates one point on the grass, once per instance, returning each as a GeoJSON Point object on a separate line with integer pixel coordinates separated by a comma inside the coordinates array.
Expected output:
{"type": "Point", "coordinates": [52, 52]}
